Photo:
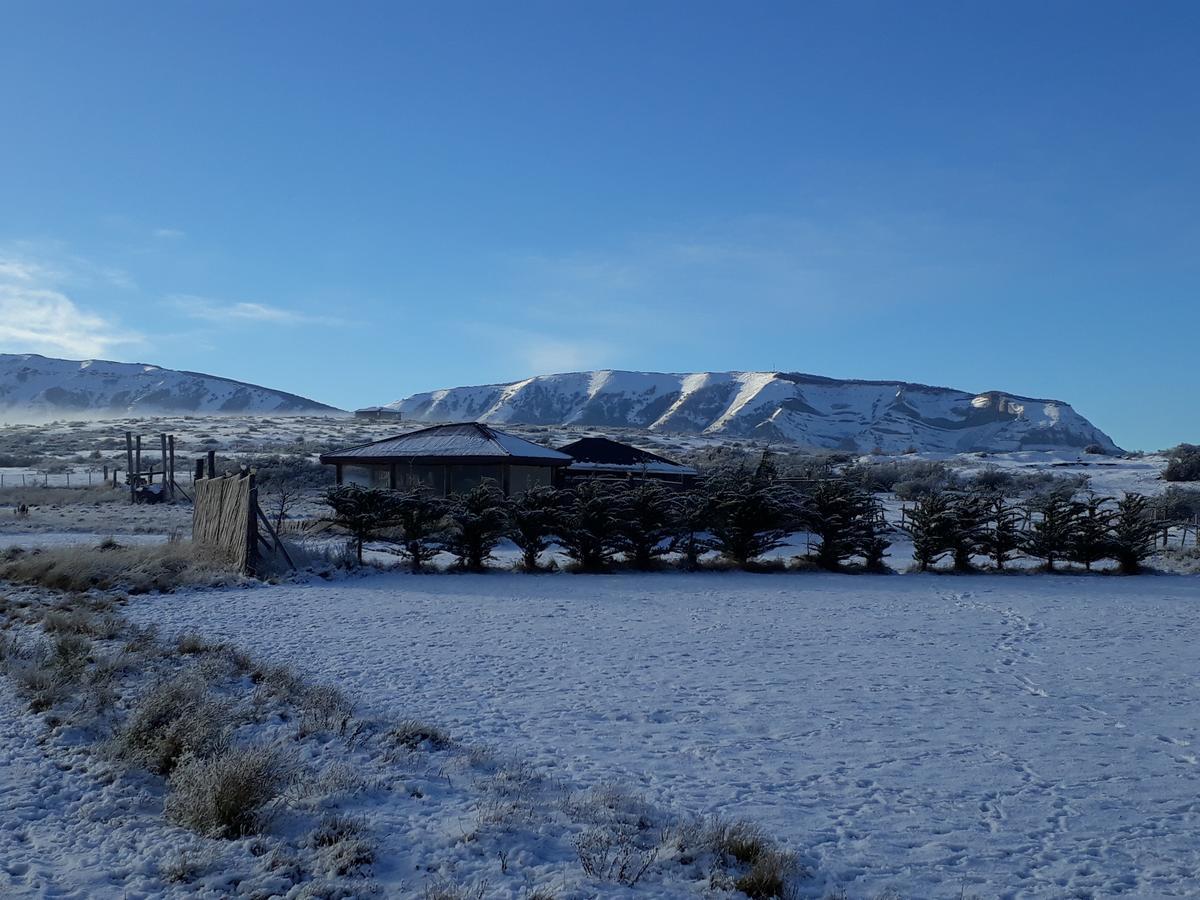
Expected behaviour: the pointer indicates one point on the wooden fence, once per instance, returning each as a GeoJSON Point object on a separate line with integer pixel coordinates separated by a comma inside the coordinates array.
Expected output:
{"type": "Point", "coordinates": [223, 517]}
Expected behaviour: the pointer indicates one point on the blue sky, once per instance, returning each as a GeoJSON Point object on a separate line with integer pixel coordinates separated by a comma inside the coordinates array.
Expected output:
{"type": "Point", "coordinates": [359, 201]}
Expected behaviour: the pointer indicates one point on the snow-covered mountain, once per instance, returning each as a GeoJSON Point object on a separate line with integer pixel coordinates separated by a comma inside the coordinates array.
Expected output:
{"type": "Point", "coordinates": [32, 385]}
{"type": "Point", "coordinates": [804, 409]}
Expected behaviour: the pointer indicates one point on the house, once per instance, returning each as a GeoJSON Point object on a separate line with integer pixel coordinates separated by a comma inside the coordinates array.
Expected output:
{"type": "Point", "coordinates": [378, 412]}
{"type": "Point", "coordinates": [596, 457]}
{"type": "Point", "coordinates": [449, 459]}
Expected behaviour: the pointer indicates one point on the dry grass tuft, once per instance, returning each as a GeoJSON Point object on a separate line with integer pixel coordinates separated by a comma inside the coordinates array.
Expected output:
{"type": "Point", "coordinates": [172, 719]}
{"type": "Point", "coordinates": [415, 735]}
{"type": "Point", "coordinates": [343, 845]}
{"type": "Point", "coordinates": [162, 567]}
{"type": "Point", "coordinates": [229, 794]}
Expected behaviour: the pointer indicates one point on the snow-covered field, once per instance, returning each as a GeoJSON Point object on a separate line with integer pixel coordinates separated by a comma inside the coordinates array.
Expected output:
{"type": "Point", "coordinates": [1012, 736]}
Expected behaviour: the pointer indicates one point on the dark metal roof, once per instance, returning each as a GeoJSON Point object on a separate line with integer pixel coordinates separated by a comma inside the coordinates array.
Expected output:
{"type": "Point", "coordinates": [463, 442]}
{"type": "Point", "coordinates": [602, 453]}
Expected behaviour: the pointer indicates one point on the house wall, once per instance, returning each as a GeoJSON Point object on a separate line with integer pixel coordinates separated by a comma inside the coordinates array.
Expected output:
{"type": "Point", "coordinates": [444, 479]}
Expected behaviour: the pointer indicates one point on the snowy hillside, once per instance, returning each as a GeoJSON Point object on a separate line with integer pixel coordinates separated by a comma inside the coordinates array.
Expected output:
{"type": "Point", "coordinates": [805, 409]}
{"type": "Point", "coordinates": [32, 385]}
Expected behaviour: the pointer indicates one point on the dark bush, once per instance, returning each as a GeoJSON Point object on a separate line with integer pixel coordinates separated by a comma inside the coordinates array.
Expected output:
{"type": "Point", "coordinates": [752, 513]}
{"type": "Point", "coordinates": [475, 523]}
{"type": "Point", "coordinates": [1133, 533]}
{"type": "Point", "coordinates": [589, 530]}
{"type": "Point", "coordinates": [1183, 463]}
{"type": "Point", "coordinates": [533, 521]}
{"type": "Point", "coordinates": [645, 522]}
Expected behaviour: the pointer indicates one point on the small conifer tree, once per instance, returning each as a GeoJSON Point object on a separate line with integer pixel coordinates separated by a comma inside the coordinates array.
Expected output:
{"type": "Point", "coordinates": [589, 527]}
{"type": "Point", "coordinates": [420, 525]}
{"type": "Point", "coordinates": [645, 513]}
{"type": "Point", "coordinates": [364, 512]}
{"type": "Point", "coordinates": [475, 523]}
{"type": "Point", "coordinates": [1132, 535]}
{"type": "Point", "coordinates": [1049, 536]}
{"type": "Point", "coordinates": [533, 521]}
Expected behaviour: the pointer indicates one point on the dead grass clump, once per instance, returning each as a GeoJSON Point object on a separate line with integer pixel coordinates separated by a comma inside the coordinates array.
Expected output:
{"type": "Point", "coordinates": [162, 567]}
{"type": "Point", "coordinates": [37, 678]}
{"type": "Point", "coordinates": [769, 875]}
{"type": "Point", "coordinates": [173, 718]}
{"type": "Point", "coordinates": [81, 620]}
{"type": "Point", "coordinates": [747, 859]}
{"type": "Point", "coordinates": [343, 845]}
{"type": "Point", "coordinates": [415, 735]}
{"type": "Point", "coordinates": [323, 707]}
{"type": "Point", "coordinates": [609, 854]}
{"type": "Point", "coordinates": [743, 842]}
{"type": "Point", "coordinates": [229, 794]}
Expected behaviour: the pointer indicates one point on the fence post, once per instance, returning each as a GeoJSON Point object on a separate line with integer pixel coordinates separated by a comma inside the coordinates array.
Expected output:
{"type": "Point", "coordinates": [129, 465]}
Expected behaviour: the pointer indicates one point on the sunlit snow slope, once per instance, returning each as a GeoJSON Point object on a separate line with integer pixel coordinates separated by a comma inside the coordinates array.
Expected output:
{"type": "Point", "coordinates": [804, 409]}
{"type": "Point", "coordinates": [37, 385]}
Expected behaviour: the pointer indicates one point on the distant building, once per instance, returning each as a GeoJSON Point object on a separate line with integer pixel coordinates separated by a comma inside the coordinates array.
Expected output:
{"type": "Point", "coordinates": [449, 459]}
{"type": "Point", "coordinates": [378, 412]}
{"type": "Point", "coordinates": [596, 457]}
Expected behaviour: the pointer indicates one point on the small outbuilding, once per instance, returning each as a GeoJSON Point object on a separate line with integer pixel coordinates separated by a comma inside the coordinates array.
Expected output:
{"type": "Point", "coordinates": [378, 412]}
{"type": "Point", "coordinates": [597, 457]}
{"type": "Point", "coordinates": [449, 459]}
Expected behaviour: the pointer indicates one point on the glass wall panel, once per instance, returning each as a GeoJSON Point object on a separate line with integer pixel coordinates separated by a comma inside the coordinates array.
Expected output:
{"type": "Point", "coordinates": [522, 478]}
{"type": "Point", "coordinates": [411, 476]}
{"type": "Point", "coordinates": [368, 476]}
{"type": "Point", "coordinates": [463, 478]}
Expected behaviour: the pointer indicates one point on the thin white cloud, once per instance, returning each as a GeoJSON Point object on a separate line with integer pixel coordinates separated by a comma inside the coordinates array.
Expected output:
{"type": "Point", "coordinates": [168, 234]}
{"type": "Point", "coordinates": [227, 313]}
{"type": "Point", "coordinates": [41, 320]}
{"type": "Point", "coordinates": [37, 314]}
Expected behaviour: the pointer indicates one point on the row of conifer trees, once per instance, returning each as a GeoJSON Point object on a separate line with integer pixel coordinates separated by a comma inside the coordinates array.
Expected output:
{"type": "Point", "coordinates": [741, 513]}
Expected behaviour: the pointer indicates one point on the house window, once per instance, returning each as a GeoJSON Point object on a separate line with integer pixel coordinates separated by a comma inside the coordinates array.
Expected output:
{"type": "Point", "coordinates": [414, 476]}
{"type": "Point", "coordinates": [522, 478]}
{"type": "Point", "coordinates": [368, 476]}
{"type": "Point", "coordinates": [463, 478]}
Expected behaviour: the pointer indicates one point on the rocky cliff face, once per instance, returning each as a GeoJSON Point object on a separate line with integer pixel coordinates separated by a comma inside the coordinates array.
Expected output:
{"type": "Point", "coordinates": [804, 409]}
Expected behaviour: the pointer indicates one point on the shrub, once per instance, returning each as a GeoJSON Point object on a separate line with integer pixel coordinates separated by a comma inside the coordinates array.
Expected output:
{"type": "Point", "coordinates": [420, 526]}
{"type": "Point", "coordinates": [1183, 463]}
{"type": "Point", "coordinates": [1089, 541]}
{"type": "Point", "coordinates": [364, 512]}
{"type": "Point", "coordinates": [227, 795]}
{"type": "Point", "coordinates": [1051, 532]}
{"type": "Point", "coordinates": [691, 515]}
{"type": "Point", "coordinates": [533, 520]}
{"type": "Point", "coordinates": [646, 517]}
{"type": "Point", "coordinates": [1002, 536]}
{"type": "Point", "coordinates": [589, 529]}
{"type": "Point", "coordinates": [847, 522]}
{"type": "Point", "coordinates": [476, 521]}
{"type": "Point", "coordinates": [169, 720]}
{"type": "Point", "coordinates": [1133, 533]}
{"type": "Point", "coordinates": [967, 527]}
{"type": "Point", "coordinates": [929, 523]}
{"type": "Point", "coordinates": [751, 513]}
